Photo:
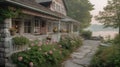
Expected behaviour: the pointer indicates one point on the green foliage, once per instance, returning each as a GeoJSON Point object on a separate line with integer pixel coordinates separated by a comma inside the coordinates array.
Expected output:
{"type": "Point", "coordinates": [45, 55]}
{"type": "Point", "coordinates": [117, 40]}
{"type": "Point", "coordinates": [80, 10]}
{"type": "Point", "coordinates": [20, 40]}
{"type": "Point", "coordinates": [7, 12]}
{"type": "Point", "coordinates": [108, 56]}
{"type": "Point", "coordinates": [69, 43]}
{"type": "Point", "coordinates": [110, 17]}
{"type": "Point", "coordinates": [86, 34]}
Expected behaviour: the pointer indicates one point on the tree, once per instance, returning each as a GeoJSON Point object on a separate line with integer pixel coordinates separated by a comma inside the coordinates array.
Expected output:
{"type": "Point", "coordinates": [80, 10]}
{"type": "Point", "coordinates": [110, 17]}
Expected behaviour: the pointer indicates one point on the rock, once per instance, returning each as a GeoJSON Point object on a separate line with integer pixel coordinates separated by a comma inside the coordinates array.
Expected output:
{"type": "Point", "coordinates": [84, 54]}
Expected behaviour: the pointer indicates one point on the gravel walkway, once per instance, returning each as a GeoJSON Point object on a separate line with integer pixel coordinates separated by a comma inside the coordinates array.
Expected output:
{"type": "Point", "coordinates": [82, 56]}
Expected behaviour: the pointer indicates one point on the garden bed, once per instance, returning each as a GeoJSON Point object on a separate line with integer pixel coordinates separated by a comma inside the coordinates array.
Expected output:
{"type": "Point", "coordinates": [47, 53]}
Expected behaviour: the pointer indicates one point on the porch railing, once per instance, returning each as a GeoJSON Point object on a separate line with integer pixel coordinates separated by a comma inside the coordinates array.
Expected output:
{"type": "Point", "coordinates": [55, 37]}
{"type": "Point", "coordinates": [19, 48]}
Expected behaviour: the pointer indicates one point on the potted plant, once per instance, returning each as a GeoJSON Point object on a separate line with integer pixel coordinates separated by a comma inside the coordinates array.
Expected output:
{"type": "Point", "coordinates": [13, 31]}
{"type": "Point", "coordinates": [55, 29]}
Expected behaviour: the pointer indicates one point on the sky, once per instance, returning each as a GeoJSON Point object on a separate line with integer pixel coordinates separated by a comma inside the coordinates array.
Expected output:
{"type": "Point", "coordinates": [98, 6]}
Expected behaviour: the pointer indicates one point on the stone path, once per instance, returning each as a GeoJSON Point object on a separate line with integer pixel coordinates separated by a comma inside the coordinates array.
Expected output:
{"type": "Point", "coordinates": [82, 56]}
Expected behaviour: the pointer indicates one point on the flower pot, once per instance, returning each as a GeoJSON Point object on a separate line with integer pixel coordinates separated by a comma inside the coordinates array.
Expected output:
{"type": "Point", "coordinates": [12, 33]}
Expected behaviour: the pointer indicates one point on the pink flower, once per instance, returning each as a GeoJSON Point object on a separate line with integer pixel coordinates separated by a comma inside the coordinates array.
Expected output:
{"type": "Point", "coordinates": [54, 41]}
{"type": "Point", "coordinates": [32, 44]}
{"type": "Point", "coordinates": [31, 64]}
{"type": "Point", "coordinates": [20, 58]}
{"type": "Point", "coordinates": [47, 42]}
{"type": "Point", "coordinates": [60, 46]}
{"type": "Point", "coordinates": [50, 52]}
{"type": "Point", "coordinates": [40, 44]}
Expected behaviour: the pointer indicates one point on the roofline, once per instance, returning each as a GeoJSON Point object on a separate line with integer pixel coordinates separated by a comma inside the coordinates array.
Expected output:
{"type": "Point", "coordinates": [31, 8]}
{"type": "Point", "coordinates": [65, 5]}
{"type": "Point", "coordinates": [68, 19]}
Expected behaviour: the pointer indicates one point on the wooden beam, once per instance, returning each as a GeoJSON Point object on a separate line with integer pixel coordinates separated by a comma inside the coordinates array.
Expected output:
{"type": "Point", "coordinates": [30, 12]}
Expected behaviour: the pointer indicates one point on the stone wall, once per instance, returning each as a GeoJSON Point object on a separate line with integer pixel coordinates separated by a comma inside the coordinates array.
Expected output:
{"type": "Point", "coordinates": [5, 44]}
{"type": "Point", "coordinates": [2, 49]}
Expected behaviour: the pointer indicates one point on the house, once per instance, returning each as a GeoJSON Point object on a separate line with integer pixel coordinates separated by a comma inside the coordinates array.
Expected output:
{"type": "Point", "coordinates": [38, 19]}
{"type": "Point", "coordinates": [59, 6]}
{"type": "Point", "coordinates": [55, 5]}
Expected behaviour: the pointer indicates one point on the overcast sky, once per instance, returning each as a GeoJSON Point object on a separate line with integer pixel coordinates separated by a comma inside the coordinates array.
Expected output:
{"type": "Point", "coordinates": [98, 6]}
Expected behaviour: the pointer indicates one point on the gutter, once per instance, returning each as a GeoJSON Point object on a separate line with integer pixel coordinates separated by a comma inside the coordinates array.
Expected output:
{"type": "Point", "coordinates": [31, 7]}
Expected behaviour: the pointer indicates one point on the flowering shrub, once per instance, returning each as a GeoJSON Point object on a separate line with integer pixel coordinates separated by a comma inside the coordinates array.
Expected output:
{"type": "Point", "coordinates": [44, 54]}
{"type": "Point", "coordinates": [70, 43]}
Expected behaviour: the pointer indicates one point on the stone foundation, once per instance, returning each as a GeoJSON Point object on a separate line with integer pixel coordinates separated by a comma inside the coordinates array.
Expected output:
{"type": "Point", "coordinates": [5, 44]}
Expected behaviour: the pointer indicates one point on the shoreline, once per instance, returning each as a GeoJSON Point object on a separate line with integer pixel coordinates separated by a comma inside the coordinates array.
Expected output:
{"type": "Point", "coordinates": [105, 34]}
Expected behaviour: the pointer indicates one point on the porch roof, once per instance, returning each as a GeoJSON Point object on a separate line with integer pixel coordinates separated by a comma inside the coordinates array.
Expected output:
{"type": "Point", "coordinates": [35, 6]}
{"type": "Point", "coordinates": [68, 19]}
{"type": "Point", "coordinates": [39, 1]}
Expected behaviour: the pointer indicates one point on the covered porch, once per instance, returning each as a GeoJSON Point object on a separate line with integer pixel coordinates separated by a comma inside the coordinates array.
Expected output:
{"type": "Point", "coordinates": [34, 27]}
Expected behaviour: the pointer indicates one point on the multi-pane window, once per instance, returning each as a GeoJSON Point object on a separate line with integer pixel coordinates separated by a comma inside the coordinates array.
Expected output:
{"type": "Point", "coordinates": [58, 7]}
{"type": "Point", "coordinates": [37, 26]}
{"type": "Point", "coordinates": [50, 27]}
{"type": "Point", "coordinates": [53, 5]}
{"type": "Point", "coordinates": [27, 26]}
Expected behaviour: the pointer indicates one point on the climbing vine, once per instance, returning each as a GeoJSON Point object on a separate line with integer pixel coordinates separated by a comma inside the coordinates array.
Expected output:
{"type": "Point", "coordinates": [8, 12]}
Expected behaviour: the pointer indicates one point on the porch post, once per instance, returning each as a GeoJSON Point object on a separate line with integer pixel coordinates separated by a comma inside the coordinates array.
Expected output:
{"type": "Point", "coordinates": [5, 43]}
{"type": "Point", "coordinates": [22, 27]}
{"type": "Point", "coordinates": [59, 27]}
{"type": "Point", "coordinates": [9, 22]}
{"type": "Point", "coordinates": [72, 27]}
{"type": "Point", "coordinates": [33, 25]}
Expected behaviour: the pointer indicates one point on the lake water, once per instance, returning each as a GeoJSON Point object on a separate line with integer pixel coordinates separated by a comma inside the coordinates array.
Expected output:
{"type": "Point", "coordinates": [99, 30]}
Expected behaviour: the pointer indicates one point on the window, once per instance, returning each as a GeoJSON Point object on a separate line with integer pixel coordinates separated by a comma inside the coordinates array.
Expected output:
{"type": "Point", "coordinates": [37, 26]}
{"type": "Point", "coordinates": [54, 5]}
{"type": "Point", "coordinates": [49, 27]}
{"type": "Point", "coordinates": [27, 26]}
{"type": "Point", "coordinates": [59, 8]}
